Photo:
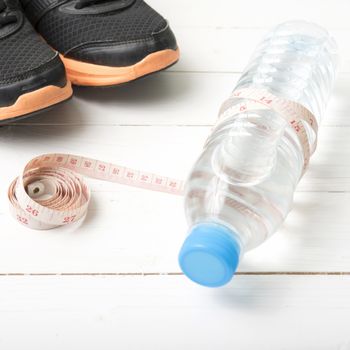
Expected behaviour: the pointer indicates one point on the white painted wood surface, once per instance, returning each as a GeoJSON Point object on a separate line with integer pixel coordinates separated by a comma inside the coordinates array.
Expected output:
{"type": "Point", "coordinates": [291, 293]}
{"type": "Point", "coordinates": [163, 312]}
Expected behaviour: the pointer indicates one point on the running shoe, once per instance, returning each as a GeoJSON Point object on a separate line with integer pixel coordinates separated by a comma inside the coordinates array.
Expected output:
{"type": "Point", "coordinates": [32, 75]}
{"type": "Point", "coordinates": [105, 42]}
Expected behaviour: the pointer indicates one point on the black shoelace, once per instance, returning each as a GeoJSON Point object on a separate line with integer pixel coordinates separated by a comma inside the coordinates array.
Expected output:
{"type": "Point", "coordinates": [5, 16]}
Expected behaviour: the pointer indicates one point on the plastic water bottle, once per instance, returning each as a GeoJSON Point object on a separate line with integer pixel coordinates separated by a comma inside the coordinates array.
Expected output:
{"type": "Point", "coordinates": [241, 188]}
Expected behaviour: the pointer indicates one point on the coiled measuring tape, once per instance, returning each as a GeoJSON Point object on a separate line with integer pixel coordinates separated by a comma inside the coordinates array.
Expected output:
{"type": "Point", "coordinates": [52, 192]}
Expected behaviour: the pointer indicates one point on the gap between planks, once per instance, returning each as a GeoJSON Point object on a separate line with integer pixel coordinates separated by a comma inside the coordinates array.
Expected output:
{"type": "Point", "coordinates": [145, 274]}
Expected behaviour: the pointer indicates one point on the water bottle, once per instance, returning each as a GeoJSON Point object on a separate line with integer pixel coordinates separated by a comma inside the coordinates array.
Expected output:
{"type": "Point", "coordinates": [241, 187]}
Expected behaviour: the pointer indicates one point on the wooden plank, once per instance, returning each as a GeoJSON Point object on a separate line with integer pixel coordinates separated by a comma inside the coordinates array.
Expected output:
{"type": "Point", "coordinates": [168, 99]}
{"type": "Point", "coordinates": [131, 230]}
{"type": "Point", "coordinates": [253, 14]}
{"type": "Point", "coordinates": [229, 49]}
{"type": "Point", "coordinates": [169, 150]}
{"type": "Point", "coordinates": [128, 232]}
{"type": "Point", "coordinates": [165, 99]}
{"type": "Point", "coordinates": [265, 312]}
{"type": "Point", "coordinates": [221, 36]}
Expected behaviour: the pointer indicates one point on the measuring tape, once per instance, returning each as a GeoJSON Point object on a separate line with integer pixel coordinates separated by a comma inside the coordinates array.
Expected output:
{"type": "Point", "coordinates": [294, 113]}
{"type": "Point", "coordinates": [52, 192]}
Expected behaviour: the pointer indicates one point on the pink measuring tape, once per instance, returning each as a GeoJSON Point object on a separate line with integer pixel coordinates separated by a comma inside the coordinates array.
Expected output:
{"type": "Point", "coordinates": [52, 192]}
{"type": "Point", "coordinates": [294, 113]}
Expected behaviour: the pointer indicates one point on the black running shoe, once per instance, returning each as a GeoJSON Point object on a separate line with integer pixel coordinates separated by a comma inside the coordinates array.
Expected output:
{"type": "Point", "coordinates": [105, 42]}
{"type": "Point", "coordinates": [32, 76]}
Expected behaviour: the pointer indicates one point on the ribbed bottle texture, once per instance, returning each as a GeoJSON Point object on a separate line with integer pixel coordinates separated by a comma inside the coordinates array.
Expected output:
{"type": "Point", "coordinates": [241, 188]}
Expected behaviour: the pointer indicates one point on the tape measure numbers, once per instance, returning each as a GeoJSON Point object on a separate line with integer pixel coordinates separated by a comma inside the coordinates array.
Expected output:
{"type": "Point", "coordinates": [51, 191]}
{"type": "Point", "coordinates": [294, 113]}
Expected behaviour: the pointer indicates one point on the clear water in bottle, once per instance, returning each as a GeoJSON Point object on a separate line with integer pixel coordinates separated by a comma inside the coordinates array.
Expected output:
{"type": "Point", "coordinates": [241, 188]}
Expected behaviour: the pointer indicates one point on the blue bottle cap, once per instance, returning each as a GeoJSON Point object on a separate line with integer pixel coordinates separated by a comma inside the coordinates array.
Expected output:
{"type": "Point", "coordinates": [210, 255]}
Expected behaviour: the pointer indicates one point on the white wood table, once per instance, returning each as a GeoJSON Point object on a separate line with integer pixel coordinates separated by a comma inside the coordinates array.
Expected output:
{"type": "Point", "coordinates": [114, 283]}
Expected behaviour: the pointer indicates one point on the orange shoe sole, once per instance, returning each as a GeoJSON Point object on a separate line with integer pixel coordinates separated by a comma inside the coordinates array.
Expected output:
{"type": "Point", "coordinates": [35, 101]}
{"type": "Point", "coordinates": [87, 74]}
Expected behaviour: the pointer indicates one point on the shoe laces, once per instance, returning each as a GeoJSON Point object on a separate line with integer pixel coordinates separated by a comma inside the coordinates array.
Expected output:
{"type": "Point", "coordinates": [5, 16]}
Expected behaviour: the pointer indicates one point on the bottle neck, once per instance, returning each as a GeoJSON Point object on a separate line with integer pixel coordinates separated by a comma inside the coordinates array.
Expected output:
{"type": "Point", "coordinates": [248, 153]}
